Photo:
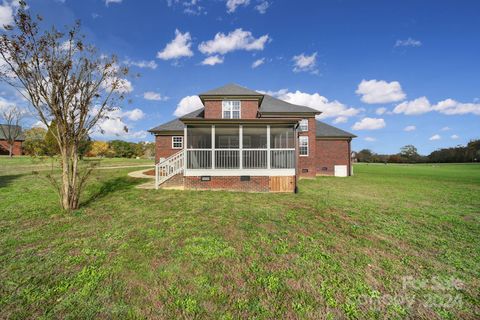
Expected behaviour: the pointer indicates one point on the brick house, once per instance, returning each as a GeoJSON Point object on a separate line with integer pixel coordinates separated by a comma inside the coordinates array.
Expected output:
{"type": "Point", "coordinates": [5, 132]}
{"type": "Point", "coordinates": [249, 141]}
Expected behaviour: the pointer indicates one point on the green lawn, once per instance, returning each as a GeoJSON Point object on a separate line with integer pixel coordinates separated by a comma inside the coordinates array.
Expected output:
{"type": "Point", "coordinates": [26, 164]}
{"type": "Point", "coordinates": [390, 242]}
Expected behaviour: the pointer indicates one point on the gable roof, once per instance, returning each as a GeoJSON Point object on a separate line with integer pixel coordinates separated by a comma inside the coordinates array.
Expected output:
{"type": "Point", "coordinates": [274, 105]}
{"type": "Point", "coordinates": [327, 131]}
{"type": "Point", "coordinates": [4, 128]}
{"type": "Point", "coordinates": [176, 124]}
{"type": "Point", "coordinates": [231, 89]}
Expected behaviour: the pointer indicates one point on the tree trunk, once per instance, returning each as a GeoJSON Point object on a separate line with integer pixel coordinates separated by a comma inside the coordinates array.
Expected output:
{"type": "Point", "coordinates": [10, 150]}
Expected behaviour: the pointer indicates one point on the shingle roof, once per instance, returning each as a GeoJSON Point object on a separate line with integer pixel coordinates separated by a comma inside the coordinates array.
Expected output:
{"type": "Point", "coordinates": [4, 128]}
{"type": "Point", "coordinates": [231, 89]}
{"type": "Point", "coordinates": [327, 131]}
{"type": "Point", "coordinates": [176, 124]}
{"type": "Point", "coordinates": [273, 105]}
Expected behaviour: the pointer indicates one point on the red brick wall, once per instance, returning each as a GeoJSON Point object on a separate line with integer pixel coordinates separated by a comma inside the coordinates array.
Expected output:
{"type": "Point", "coordinates": [163, 147]}
{"type": "Point", "coordinates": [331, 153]}
{"type": "Point", "coordinates": [17, 148]}
{"type": "Point", "coordinates": [308, 162]}
{"type": "Point", "coordinates": [256, 184]}
{"type": "Point", "coordinates": [213, 109]}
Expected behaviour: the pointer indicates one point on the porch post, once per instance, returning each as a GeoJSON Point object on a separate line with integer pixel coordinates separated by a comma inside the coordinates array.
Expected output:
{"type": "Point", "coordinates": [268, 147]}
{"type": "Point", "coordinates": [185, 153]}
{"type": "Point", "coordinates": [240, 132]}
{"type": "Point", "coordinates": [213, 146]}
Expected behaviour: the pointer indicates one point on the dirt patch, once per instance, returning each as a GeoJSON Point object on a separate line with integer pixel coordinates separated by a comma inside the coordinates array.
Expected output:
{"type": "Point", "coordinates": [150, 172]}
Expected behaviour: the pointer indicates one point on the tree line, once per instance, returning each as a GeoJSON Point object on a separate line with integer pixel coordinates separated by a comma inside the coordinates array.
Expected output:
{"type": "Point", "coordinates": [40, 142]}
{"type": "Point", "coordinates": [409, 154]}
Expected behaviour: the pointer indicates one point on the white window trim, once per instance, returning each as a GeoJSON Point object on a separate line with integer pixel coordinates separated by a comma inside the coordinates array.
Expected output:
{"type": "Point", "coordinates": [305, 121]}
{"type": "Point", "coordinates": [173, 142]}
{"type": "Point", "coordinates": [299, 145]}
{"type": "Point", "coordinates": [226, 104]}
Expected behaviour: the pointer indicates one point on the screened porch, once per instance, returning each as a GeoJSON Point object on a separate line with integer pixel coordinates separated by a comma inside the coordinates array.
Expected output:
{"type": "Point", "coordinates": [240, 149]}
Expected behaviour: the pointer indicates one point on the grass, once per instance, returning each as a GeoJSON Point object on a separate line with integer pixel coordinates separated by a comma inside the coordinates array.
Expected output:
{"type": "Point", "coordinates": [26, 164]}
{"type": "Point", "coordinates": [390, 242]}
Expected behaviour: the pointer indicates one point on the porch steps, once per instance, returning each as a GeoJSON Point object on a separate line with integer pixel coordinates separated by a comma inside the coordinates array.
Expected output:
{"type": "Point", "coordinates": [168, 168]}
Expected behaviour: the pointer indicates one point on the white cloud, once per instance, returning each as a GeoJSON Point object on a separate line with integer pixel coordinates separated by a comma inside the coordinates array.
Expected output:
{"type": "Point", "coordinates": [435, 137]}
{"type": "Point", "coordinates": [408, 43]}
{"type": "Point", "coordinates": [178, 47]}
{"type": "Point", "coordinates": [304, 62]}
{"type": "Point", "coordinates": [341, 119]}
{"type": "Point", "coordinates": [417, 106]}
{"type": "Point", "coordinates": [232, 5]}
{"type": "Point", "coordinates": [134, 115]}
{"type": "Point", "coordinates": [114, 124]}
{"type": "Point", "coordinates": [380, 91]}
{"type": "Point", "coordinates": [410, 128]}
{"type": "Point", "coordinates": [369, 124]}
{"type": "Point", "coordinates": [154, 96]}
{"type": "Point", "coordinates": [141, 64]}
{"type": "Point", "coordinates": [318, 102]}
{"type": "Point", "coordinates": [7, 10]}
{"type": "Point", "coordinates": [187, 105]}
{"type": "Point", "coordinates": [258, 63]}
{"type": "Point", "coordinates": [123, 85]}
{"type": "Point", "coordinates": [212, 60]}
{"type": "Point", "coordinates": [381, 111]}
{"type": "Point", "coordinates": [107, 2]}
{"type": "Point", "coordinates": [448, 107]}
{"type": "Point", "coordinates": [445, 129]}
{"type": "Point", "coordinates": [452, 107]}
{"type": "Point", "coordinates": [454, 136]}
{"type": "Point", "coordinates": [235, 40]}
{"type": "Point", "coordinates": [370, 139]}
{"type": "Point", "coordinates": [262, 7]}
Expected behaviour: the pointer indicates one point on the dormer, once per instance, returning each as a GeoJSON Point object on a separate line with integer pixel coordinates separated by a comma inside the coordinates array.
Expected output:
{"type": "Point", "coordinates": [231, 102]}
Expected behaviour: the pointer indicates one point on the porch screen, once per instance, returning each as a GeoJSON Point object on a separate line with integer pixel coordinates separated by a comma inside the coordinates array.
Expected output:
{"type": "Point", "coordinates": [254, 137]}
{"type": "Point", "coordinates": [199, 137]}
{"type": "Point", "coordinates": [282, 138]}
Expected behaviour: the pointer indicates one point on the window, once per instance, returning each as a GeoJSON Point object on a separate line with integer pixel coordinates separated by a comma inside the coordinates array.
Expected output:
{"type": "Point", "coordinates": [303, 145]}
{"type": "Point", "coordinates": [303, 125]}
{"type": "Point", "coordinates": [199, 137]}
{"type": "Point", "coordinates": [231, 109]}
{"type": "Point", "coordinates": [177, 142]}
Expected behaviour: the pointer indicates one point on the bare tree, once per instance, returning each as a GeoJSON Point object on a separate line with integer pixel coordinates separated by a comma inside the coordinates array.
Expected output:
{"type": "Point", "coordinates": [11, 128]}
{"type": "Point", "coordinates": [67, 83]}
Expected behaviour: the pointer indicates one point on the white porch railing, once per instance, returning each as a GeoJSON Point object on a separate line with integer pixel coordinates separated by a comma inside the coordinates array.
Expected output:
{"type": "Point", "coordinates": [169, 167]}
{"type": "Point", "coordinates": [250, 159]}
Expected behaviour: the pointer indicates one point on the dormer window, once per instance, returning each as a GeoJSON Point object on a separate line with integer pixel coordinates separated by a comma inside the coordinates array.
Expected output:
{"type": "Point", "coordinates": [303, 125]}
{"type": "Point", "coordinates": [231, 109]}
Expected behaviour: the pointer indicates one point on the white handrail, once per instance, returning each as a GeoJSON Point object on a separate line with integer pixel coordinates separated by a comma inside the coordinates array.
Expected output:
{"type": "Point", "coordinates": [169, 167]}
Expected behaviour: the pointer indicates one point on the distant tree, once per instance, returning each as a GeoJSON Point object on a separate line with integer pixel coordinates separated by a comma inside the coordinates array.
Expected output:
{"type": "Point", "coordinates": [364, 155]}
{"type": "Point", "coordinates": [11, 129]}
{"type": "Point", "coordinates": [34, 143]}
{"type": "Point", "coordinates": [122, 149]}
{"type": "Point", "coordinates": [65, 81]}
{"type": "Point", "coordinates": [409, 153]}
{"type": "Point", "coordinates": [99, 149]}
{"type": "Point", "coordinates": [473, 151]}
{"type": "Point", "coordinates": [149, 150]}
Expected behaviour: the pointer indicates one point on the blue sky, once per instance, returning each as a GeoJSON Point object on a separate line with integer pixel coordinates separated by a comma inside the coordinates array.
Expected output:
{"type": "Point", "coordinates": [392, 72]}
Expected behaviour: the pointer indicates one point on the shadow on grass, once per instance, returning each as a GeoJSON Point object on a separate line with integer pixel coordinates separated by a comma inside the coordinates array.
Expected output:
{"type": "Point", "coordinates": [109, 187]}
{"type": "Point", "coordinates": [5, 181]}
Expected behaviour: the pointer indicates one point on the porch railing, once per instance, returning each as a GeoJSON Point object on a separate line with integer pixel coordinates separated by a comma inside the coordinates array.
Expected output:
{"type": "Point", "coordinates": [233, 159]}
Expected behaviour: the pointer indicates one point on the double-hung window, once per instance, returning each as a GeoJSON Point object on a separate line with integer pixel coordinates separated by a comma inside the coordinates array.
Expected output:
{"type": "Point", "coordinates": [231, 109]}
{"type": "Point", "coordinates": [303, 125]}
{"type": "Point", "coordinates": [303, 145]}
{"type": "Point", "coordinates": [177, 142]}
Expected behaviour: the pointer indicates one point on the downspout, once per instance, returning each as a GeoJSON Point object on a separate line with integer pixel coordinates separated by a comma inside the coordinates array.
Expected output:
{"type": "Point", "coordinates": [349, 158]}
